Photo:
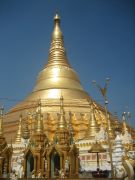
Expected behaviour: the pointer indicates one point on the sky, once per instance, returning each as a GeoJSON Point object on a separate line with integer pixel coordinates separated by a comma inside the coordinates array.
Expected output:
{"type": "Point", "coordinates": [99, 37]}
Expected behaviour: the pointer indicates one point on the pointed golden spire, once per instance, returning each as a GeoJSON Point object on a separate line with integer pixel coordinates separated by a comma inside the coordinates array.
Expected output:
{"type": "Point", "coordinates": [1, 121]}
{"type": "Point", "coordinates": [110, 127]}
{"type": "Point", "coordinates": [57, 75]}
{"type": "Point", "coordinates": [57, 54]}
{"type": "Point", "coordinates": [57, 34]}
{"type": "Point", "coordinates": [19, 132]}
{"type": "Point", "coordinates": [39, 127]}
{"type": "Point", "coordinates": [93, 127]}
{"type": "Point", "coordinates": [124, 125]}
{"type": "Point", "coordinates": [62, 121]}
{"type": "Point", "coordinates": [62, 133]}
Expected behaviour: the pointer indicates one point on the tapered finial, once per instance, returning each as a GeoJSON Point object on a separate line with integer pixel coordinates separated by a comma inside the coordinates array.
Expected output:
{"type": "Point", "coordinates": [124, 125]}
{"type": "Point", "coordinates": [39, 127]}
{"type": "Point", "coordinates": [57, 54]}
{"type": "Point", "coordinates": [93, 127]}
{"type": "Point", "coordinates": [56, 18]}
{"type": "Point", "coordinates": [62, 121]}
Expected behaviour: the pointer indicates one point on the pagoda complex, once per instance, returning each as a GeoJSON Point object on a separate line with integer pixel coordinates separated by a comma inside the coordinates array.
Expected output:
{"type": "Point", "coordinates": [58, 123]}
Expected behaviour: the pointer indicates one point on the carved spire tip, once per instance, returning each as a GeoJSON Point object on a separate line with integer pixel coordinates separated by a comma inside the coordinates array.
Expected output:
{"type": "Point", "coordinates": [57, 18]}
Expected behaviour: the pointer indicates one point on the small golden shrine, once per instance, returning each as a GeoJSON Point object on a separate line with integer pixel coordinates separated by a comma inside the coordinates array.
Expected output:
{"type": "Point", "coordinates": [62, 155]}
{"type": "Point", "coordinates": [58, 158]}
{"type": "Point", "coordinates": [34, 151]}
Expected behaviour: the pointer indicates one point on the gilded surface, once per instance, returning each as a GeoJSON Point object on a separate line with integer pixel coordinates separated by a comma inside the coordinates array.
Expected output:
{"type": "Point", "coordinates": [57, 79]}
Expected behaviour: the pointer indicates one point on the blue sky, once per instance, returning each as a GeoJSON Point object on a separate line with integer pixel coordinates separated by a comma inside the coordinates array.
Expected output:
{"type": "Point", "coordinates": [99, 37]}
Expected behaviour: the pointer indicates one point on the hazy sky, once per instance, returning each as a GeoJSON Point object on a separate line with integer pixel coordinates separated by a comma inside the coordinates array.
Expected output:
{"type": "Point", "coordinates": [99, 37]}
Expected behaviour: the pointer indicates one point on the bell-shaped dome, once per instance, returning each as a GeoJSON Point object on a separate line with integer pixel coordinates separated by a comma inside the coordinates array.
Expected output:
{"type": "Point", "coordinates": [58, 77]}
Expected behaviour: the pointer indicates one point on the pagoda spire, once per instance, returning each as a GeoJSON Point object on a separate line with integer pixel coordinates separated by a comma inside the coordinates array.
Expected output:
{"type": "Point", "coordinates": [57, 54]}
{"type": "Point", "coordinates": [124, 125]}
{"type": "Point", "coordinates": [39, 128]}
{"type": "Point", "coordinates": [38, 137]}
{"type": "Point", "coordinates": [62, 131]}
{"type": "Point", "coordinates": [62, 121]}
{"type": "Point", "coordinates": [58, 76]}
{"type": "Point", "coordinates": [93, 127]}
{"type": "Point", "coordinates": [19, 132]}
{"type": "Point", "coordinates": [110, 129]}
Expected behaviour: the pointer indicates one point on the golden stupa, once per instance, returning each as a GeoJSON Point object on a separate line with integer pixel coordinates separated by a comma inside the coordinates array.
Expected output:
{"type": "Point", "coordinates": [56, 79]}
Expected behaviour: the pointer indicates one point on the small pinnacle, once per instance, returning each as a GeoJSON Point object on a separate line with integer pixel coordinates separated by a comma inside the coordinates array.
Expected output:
{"type": "Point", "coordinates": [57, 18]}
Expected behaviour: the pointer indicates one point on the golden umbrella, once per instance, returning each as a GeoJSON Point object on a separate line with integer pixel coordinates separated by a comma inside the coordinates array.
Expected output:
{"type": "Point", "coordinates": [97, 148]}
